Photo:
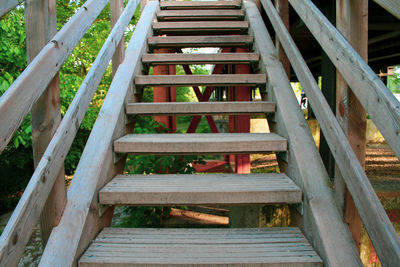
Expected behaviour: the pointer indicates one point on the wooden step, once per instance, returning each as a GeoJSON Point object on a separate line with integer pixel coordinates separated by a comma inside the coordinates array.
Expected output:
{"type": "Point", "coordinates": [200, 4]}
{"type": "Point", "coordinates": [200, 41]}
{"type": "Point", "coordinates": [187, 15]}
{"type": "Point", "coordinates": [201, 27]}
{"type": "Point", "coordinates": [189, 189]}
{"type": "Point", "coordinates": [219, 58]}
{"type": "Point", "coordinates": [201, 108]}
{"type": "Point", "coordinates": [201, 80]}
{"type": "Point", "coordinates": [182, 144]}
{"type": "Point", "coordinates": [200, 247]}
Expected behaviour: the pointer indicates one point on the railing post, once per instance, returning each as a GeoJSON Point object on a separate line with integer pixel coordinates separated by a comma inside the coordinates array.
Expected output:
{"type": "Point", "coordinates": [41, 26]}
{"type": "Point", "coordinates": [352, 22]}
{"type": "Point", "coordinates": [116, 9]}
{"type": "Point", "coordinates": [282, 6]}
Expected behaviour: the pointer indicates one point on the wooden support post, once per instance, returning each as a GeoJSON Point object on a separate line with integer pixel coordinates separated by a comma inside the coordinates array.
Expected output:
{"type": "Point", "coordinates": [328, 74]}
{"type": "Point", "coordinates": [41, 26]}
{"type": "Point", "coordinates": [352, 21]}
{"type": "Point", "coordinates": [242, 216]}
{"type": "Point", "coordinates": [116, 9]}
{"type": "Point", "coordinates": [282, 6]}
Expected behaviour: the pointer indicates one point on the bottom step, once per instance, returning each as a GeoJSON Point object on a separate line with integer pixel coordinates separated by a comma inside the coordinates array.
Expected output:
{"type": "Point", "coordinates": [200, 247]}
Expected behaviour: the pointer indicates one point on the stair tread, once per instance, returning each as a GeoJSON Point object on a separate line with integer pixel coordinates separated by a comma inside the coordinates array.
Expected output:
{"type": "Point", "coordinates": [200, 41]}
{"type": "Point", "coordinates": [188, 247]}
{"type": "Point", "coordinates": [174, 15]}
{"type": "Point", "coordinates": [195, 27]}
{"type": "Point", "coordinates": [219, 58]}
{"type": "Point", "coordinates": [189, 189]}
{"type": "Point", "coordinates": [203, 108]}
{"type": "Point", "coordinates": [182, 144]}
{"type": "Point", "coordinates": [200, 4]}
{"type": "Point", "coordinates": [201, 80]}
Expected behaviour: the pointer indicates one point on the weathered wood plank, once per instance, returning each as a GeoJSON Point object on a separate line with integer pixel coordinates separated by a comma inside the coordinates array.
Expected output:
{"type": "Point", "coordinates": [42, 70]}
{"type": "Point", "coordinates": [322, 223]}
{"type": "Point", "coordinates": [200, 108]}
{"type": "Point", "coordinates": [75, 230]}
{"type": "Point", "coordinates": [116, 9]}
{"type": "Point", "coordinates": [26, 214]}
{"type": "Point", "coordinates": [376, 98]}
{"type": "Point", "coordinates": [41, 26]}
{"type": "Point", "coordinates": [181, 59]}
{"type": "Point", "coordinates": [200, 41]}
{"type": "Point", "coordinates": [9, 5]}
{"type": "Point", "coordinates": [352, 22]}
{"type": "Point", "coordinates": [374, 216]}
{"type": "Point", "coordinates": [179, 144]}
{"type": "Point", "coordinates": [233, 247]}
{"type": "Point", "coordinates": [200, 4]}
{"type": "Point", "coordinates": [199, 189]}
{"type": "Point", "coordinates": [201, 27]}
{"type": "Point", "coordinates": [201, 80]}
{"type": "Point", "coordinates": [391, 6]}
{"type": "Point", "coordinates": [175, 15]}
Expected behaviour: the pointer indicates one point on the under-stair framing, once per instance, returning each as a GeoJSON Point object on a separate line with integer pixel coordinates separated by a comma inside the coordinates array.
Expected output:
{"type": "Point", "coordinates": [319, 235]}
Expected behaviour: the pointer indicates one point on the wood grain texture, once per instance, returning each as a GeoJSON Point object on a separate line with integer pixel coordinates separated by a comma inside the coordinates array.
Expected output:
{"type": "Point", "coordinates": [352, 22]}
{"type": "Point", "coordinates": [374, 216]}
{"type": "Point", "coordinates": [179, 144]}
{"type": "Point", "coordinates": [378, 101]}
{"type": "Point", "coordinates": [201, 27]}
{"type": "Point", "coordinates": [200, 108]}
{"type": "Point", "coordinates": [42, 70]}
{"type": "Point", "coordinates": [41, 26]}
{"type": "Point", "coordinates": [200, 4]}
{"type": "Point", "coordinates": [224, 189]}
{"type": "Point", "coordinates": [201, 80]}
{"type": "Point", "coordinates": [116, 9]}
{"type": "Point", "coordinates": [200, 41]}
{"type": "Point", "coordinates": [193, 247]}
{"type": "Point", "coordinates": [391, 6]}
{"type": "Point", "coordinates": [80, 221]}
{"type": "Point", "coordinates": [8, 5]}
{"type": "Point", "coordinates": [25, 215]}
{"type": "Point", "coordinates": [219, 58]}
{"type": "Point", "coordinates": [187, 15]}
{"type": "Point", "coordinates": [321, 221]}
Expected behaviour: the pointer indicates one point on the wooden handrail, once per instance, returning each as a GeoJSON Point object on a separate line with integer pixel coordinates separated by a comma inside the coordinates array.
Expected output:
{"type": "Point", "coordinates": [27, 212]}
{"type": "Point", "coordinates": [377, 223]}
{"type": "Point", "coordinates": [81, 220]}
{"type": "Point", "coordinates": [17, 101]}
{"type": "Point", "coordinates": [391, 6]}
{"type": "Point", "coordinates": [323, 225]}
{"type": "Point", "coordinates": [375, 97]}
{"type": "Point", "coordinates": [9, 5]}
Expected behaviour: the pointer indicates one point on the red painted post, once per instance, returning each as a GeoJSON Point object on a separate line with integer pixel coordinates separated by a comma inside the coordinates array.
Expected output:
{"type": "Point", "coordinates": [242, 122]}
{"type": "Point", "coordinates": [164, 94]}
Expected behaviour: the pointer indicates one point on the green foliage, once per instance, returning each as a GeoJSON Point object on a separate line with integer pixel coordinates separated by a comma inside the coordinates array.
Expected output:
{"type": "Point", "coordinates": [394, 81]}
{"type": "Point", "coordinates": [16, 165]}
{"type": "Point", "coordinates": [144, 164]}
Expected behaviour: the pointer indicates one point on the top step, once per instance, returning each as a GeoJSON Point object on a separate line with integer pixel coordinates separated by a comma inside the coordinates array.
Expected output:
{"type": "Point", "coordinates": [188, 15]}
{"type": "Point", "coordinates": [200, 4]}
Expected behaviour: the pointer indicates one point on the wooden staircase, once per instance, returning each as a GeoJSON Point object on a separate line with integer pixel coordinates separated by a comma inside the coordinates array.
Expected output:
{"type": "Point", "coordinates": [200, 24]}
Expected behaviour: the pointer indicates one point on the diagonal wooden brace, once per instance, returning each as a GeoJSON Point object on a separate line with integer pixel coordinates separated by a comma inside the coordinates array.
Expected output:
{"type": "Point", "coordinates": [204, 97]}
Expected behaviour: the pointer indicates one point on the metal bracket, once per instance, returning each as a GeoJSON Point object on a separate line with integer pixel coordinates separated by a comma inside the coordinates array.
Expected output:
{"type": "Point", "coordinates": [299, 207]}
{"type": "Point", "coordinates": [117, 157]}
{"type": "Point", "coordinates": [102, 209]}
{"type": "Point", "coordinates": [283, 156]}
